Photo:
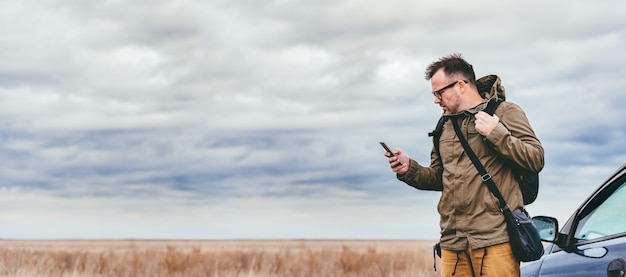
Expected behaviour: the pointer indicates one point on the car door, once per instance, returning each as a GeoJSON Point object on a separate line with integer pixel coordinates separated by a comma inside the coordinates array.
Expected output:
{"type": "Point", "coordinates": [597, 235]}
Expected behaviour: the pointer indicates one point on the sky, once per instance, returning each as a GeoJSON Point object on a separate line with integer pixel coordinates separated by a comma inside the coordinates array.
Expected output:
{"type": "Point", "coordinates": [246, 119]}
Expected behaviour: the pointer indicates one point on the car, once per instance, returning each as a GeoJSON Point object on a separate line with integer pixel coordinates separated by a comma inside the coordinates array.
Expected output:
{"type": "Point", "coordinates": [592, 242]}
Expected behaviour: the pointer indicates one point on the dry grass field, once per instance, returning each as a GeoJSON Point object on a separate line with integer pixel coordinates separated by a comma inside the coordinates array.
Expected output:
{"type": "Point", "coordinates": [137, 258]}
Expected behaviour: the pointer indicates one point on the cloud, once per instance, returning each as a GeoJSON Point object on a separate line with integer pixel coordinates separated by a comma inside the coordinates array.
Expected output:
{"type": "Point", "coordinates": [262, 119]}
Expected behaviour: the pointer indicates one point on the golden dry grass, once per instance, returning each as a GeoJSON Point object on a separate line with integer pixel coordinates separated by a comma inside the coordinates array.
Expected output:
{"type": "Point", "coordinates": [137, 258]}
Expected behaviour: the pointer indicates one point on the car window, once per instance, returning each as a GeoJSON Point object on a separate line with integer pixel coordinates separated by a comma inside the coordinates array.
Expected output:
{"type": "Point", "coordinates": [607, 219]}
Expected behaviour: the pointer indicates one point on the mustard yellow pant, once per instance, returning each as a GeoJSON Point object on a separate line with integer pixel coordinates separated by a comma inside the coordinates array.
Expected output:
{"type": "Point", "coordinates": [492, 261]}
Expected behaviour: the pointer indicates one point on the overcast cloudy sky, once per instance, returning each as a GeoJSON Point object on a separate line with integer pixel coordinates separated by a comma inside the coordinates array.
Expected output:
{"type": "Point", "coordinates": [228, 119]}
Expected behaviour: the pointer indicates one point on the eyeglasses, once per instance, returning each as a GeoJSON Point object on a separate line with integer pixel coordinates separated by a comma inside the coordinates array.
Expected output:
{"type": "Point", "coordinates": [437, 93]}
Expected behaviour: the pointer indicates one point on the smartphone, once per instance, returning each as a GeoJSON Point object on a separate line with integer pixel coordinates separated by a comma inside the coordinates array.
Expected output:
{"type": "Point", "coordinates": [382, 143]}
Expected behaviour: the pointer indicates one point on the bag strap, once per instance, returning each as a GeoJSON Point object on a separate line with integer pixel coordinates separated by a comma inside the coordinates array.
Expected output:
{"type": "Point", "coordinates": [492, 106]}
{"type": "Point", "coordinates": [436, 134]}
{"type": "Point", "coordinates": [484, 175]}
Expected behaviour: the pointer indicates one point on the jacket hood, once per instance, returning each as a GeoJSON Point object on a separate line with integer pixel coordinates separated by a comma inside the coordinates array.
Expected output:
{"type": "Point", "coordinates": [490, 87]}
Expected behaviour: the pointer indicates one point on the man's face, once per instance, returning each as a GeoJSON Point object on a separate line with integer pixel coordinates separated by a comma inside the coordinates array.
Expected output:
{"type": "Point", "coordinates": [447, 92]}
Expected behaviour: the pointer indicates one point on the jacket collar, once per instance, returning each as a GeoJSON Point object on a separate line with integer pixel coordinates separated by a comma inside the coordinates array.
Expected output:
{"type": "Point", "coordinates": [472, 111]}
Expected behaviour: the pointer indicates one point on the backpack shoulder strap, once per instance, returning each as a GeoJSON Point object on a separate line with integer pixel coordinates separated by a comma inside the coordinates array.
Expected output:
{"type": "Point", "coordinates": [436, 134]}
{"type": "Point", "coordinates": [492, 106]}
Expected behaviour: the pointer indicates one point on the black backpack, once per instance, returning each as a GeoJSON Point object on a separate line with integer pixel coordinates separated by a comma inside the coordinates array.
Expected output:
{"type": "Point", "coordinates": [528, 181]}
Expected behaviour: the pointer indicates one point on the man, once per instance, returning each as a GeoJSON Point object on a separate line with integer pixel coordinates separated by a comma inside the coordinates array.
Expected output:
{"type": "Point", "coordinates": [474, 238]}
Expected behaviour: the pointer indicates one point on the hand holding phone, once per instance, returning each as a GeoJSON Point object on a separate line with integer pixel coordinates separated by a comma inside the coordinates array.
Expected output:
{"type": "Point", "coordinates": [389, 150]}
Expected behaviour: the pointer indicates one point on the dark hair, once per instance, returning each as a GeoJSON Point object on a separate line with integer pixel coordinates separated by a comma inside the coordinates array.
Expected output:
{"type": "Point", "coordinates": [452, 65]}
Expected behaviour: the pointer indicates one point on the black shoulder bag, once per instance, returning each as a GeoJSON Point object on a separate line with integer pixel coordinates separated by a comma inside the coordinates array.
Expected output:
{"type": "Point", "coordinates": [523, 235]}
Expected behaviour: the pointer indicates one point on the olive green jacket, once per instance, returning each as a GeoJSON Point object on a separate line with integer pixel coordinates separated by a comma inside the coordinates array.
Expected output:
{"type": "Point", "coordinates": [470, 216]}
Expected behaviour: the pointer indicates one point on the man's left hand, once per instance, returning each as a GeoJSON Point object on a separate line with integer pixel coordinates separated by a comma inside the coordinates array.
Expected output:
{"type": "Point", "coordinates": [485, 123]}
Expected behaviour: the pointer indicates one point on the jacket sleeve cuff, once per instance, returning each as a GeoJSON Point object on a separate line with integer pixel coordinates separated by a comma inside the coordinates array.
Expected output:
{"type": "Point", "coordinates": [498, 133]}
{"type": "Point", "coordinates": [411, 175]}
